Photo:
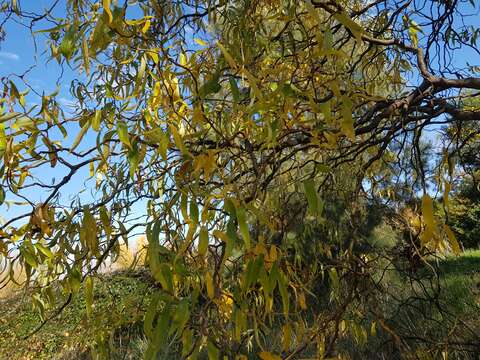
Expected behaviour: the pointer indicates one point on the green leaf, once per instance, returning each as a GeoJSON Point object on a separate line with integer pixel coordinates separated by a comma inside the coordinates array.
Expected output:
{"type": "Point", "coordinates": [105, 219]}
{"type": "Point", "coordinates": [159, 335]}
{"type": "Point", "coordinates": [164, 276]}
{"type": "Point", "coordinates": [158, 136]}
{"type": "Point", "coordinates": [80, 136]}
{"type": "Point", "coordinates": [88, 232]}
{"type": "Point", "coordinates": [242, 224]}
{"type": "Point", "coordinates": [29, 257]}
{"type": "Point", "coordinates": [311, 194]}
{"type": "Point", "coordinates": [133, 161]}
{"type": "Point", "coordinates": [212, 86]}
{"type": "Point", "coordinates": [26, 123]}
{"type": "Point", "coordinates": [89, 295]}
{"type": "Point", "coordinates": [3, 139]}
{"type": "Point", "coordinates": [96, 120]}
{"type": "Point", "coordinates": [194, 211]}
{"type": "Point", "coordinates": [177, 138]}
{"type": "Point", "coordinates": [44, 250]}
{"type": "Point", "coordinates": [282, 287]}
{"type": "Point", "coordinates": [74, 279]}
{"type": "Point", "coordinates": [67, 46]}
{"type": "Point", "coordinates": [234, 89]}
{"type": "Point", "coordinates": [150, 316]}
{"type": "Point", "coordinates": [184, 206]}
{"type": "Point", "coordinates": [85, 55]}
{"type": "Point", "coordinates": [213, 352]}
{"type": "Point", "coordinates": [253, 272]}
{"type": "Point", "coordinates": [122, 132]}
{"type": "Point", "coordinates": [9, 116]}
{"type": "Point", "coordinates": [229, 207]}
{"type": "Point", "coordinates": [181, 316]}
{"type": "Point", "coordinates": [2, 195]}
{"type": "Point", "coordinates": [231, 62]}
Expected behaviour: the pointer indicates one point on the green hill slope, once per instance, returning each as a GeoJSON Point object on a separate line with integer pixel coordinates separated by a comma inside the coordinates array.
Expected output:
{"type": "Point", "coordinates": [121, 299]}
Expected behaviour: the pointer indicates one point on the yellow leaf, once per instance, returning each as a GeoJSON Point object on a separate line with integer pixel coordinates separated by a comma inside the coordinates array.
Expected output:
{"type": "Point", "coordinates": [146, 26]}
{"type": "Point", "coordinates": [427, 211]}
{"type": "Point", "coordinates": [253, 83]}
{"type": "Point", "coordinates": [209, 284]}
{"type": "Point", "coordinates": [446, 194]}
{"type": "Point", "coordinates": [106, 8]}
{"type": "Point", "coordinates": [347, 118]}
{"type": "Point", "coordinates": [178, 140]}
{"type": "Point", "coordinates": [429, 232]}
{"type": "Point", "coordinates": [200, 42]}
{"type": "Point", "coordinates": [88, 232]}
{"type": "Point", "coordinates": [227, 56]}
{"type": "Point", "coordinates": [89, 295]}
{"type": "Point", "coordinates": [172, 86]}
{"type": "Point", "coordinates": [203, 241]}
{"type": "Point", "coordinates": [273, 256]}
{"type": "Point", "coordinates": [221, 235]}
{"type": "Point", "coordinates": [351, 25]}
{"type": "Point", "coordinates": [153, 55]}
{"type": "Point", "coordinates": [96, 119]}
{"type": "Point", "coordinates": [301, 301]}
{"type": "Point", "coordinates": [86, 56]}
{"type": "Point", "coordinates": [209, 165]}
{"type": "Point", "coordinates": [265, 355]}
{"type": "Point", "coordinates": [225, 305]}
{"type": "Point", "coordinates": [183, 59]}
{"type": "Point", "coordinates": [286, 337]}
{"type": "Point", "coordinates": [452, 239]}
{"type": "Point", "coordinates": [141, 72]}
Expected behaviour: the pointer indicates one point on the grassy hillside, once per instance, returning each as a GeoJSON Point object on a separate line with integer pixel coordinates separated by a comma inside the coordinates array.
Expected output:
{"type": "Point", "coordinates": [126, 295]}
{"type": "Point", "coordinates": [121, 298]}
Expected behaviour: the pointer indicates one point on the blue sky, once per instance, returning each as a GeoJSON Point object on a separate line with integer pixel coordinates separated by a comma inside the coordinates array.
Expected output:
{"type": "Point", "coordinates": [21, 51]}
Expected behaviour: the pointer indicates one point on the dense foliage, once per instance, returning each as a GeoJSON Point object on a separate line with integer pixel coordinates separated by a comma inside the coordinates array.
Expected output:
{"type": "Point", "coordinates": [275, 153]}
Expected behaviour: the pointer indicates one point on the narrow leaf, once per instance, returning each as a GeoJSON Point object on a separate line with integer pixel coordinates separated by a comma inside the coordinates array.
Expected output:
{"type": "Point", "coordinates": [122, 132]}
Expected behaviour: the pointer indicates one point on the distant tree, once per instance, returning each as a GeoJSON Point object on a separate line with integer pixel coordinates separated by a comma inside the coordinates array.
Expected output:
{"type": "Point", "coordinates": [463, 141]}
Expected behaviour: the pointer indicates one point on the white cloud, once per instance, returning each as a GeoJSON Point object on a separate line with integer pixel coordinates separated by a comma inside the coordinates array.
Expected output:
{"type": "Point", "coordinates": [66, 102]}
{"type": "Point", "coordinates": [9, 55]}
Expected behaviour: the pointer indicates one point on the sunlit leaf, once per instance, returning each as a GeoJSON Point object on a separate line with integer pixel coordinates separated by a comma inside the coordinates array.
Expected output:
{"type": "Point", "coordinates": [122, 132]}
{"type": "Point", "coordinates": [108, 11]}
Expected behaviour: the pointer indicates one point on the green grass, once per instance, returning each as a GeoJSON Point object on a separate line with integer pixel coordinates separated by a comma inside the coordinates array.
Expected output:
{"type": "Point", "coordinates": [467, 263]}
{"type": "Point", "coordinates": [430, 314]}
{"type": "Point", "coordinates": [452, 315]}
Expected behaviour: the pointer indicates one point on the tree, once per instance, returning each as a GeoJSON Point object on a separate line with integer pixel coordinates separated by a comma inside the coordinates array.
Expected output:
{"type": "Point", "coordinates": [465, 211]}
{"type": "Point", "coordinates": [204, 124]}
